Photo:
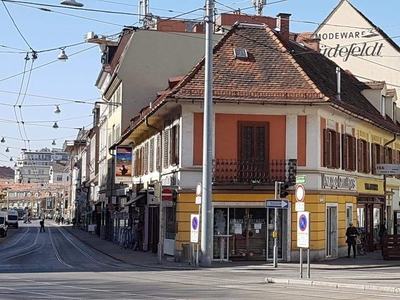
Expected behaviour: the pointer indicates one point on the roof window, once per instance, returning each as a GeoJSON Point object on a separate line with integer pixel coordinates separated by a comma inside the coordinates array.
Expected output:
{"type": "Point", "coordinates": [240, 53]}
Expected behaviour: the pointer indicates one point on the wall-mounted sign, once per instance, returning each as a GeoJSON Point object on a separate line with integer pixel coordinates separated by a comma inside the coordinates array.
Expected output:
{"type": "Point", "coordinates": [339, 182]}
{"type": "Point", "coordinates": [123, 164]}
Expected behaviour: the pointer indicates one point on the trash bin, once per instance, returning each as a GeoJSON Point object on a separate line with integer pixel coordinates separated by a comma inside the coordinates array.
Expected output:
{"type": "Point", "coordinates": [186, 253]}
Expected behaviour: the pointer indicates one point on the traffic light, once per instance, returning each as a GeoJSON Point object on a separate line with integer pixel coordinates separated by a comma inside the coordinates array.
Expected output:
{"type": "Point", "coordinates": [283, 192]}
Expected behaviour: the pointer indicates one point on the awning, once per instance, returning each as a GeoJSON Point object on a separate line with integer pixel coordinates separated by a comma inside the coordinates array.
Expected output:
{"type": "Point", "coordinates": [133, 200]}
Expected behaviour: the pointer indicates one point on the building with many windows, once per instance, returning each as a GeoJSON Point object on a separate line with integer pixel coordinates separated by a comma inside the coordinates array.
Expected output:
{"type": "Point", "coordinates": [34, 166]}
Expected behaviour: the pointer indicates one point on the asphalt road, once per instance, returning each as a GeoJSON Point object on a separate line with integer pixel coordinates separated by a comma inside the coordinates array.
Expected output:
{"type": "Point", "coordinates": [56, 265]}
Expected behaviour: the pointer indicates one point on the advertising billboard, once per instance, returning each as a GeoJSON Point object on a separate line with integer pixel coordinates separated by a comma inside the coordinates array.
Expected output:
{"type": "Point", "coordinates": [123, 164]}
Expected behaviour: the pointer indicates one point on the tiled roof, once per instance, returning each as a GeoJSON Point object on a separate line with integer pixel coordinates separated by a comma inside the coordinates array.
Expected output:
{"type": "Point", "coordinates": [275, 73]}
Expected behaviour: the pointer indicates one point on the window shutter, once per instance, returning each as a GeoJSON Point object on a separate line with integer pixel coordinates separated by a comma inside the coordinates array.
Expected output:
{"type": "Point", "coordinates": [146, 158]}
{"type": "Point", "coordinates": [368, 169]}
{"type": "Point", "coordinates": [176, 146]}
{"type": "Point", "coordinates": [382, 154]}
{"type": "Point", "coordinates": [360, 158]}
{"type": "Point", "coordinates": [353, 156]}
{"type": "Point", "coordinates": [136, 163]}
{"type": "Point", "coordinates": [166, 154]}
{"type": "Point", "coordinates": [151, 156]}
{"type": "Point", "coordinates": [337, 151]}
{"type": "Point", "coordinates": [345, 154]}
{"type": "Point", "coordinates": [326, 158]}
{"type": "Point", "coordinates": [374, 155]}
{"type": "Point", "coordinates": [158, 153]}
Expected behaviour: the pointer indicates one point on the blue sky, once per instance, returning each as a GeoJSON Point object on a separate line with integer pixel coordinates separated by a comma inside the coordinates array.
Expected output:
{"type": "Point", "coordinates": [30, 89]}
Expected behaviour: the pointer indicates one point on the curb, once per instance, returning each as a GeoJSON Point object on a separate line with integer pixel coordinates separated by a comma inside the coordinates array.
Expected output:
{"type": "Point", "coordinates": [336, 285]}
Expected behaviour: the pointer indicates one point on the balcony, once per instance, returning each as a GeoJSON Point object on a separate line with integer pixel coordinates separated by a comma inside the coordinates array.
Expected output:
{"type": "Point", "coordinates": [231, 171]}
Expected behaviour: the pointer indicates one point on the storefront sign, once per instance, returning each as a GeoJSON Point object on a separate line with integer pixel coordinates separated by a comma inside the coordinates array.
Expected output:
{"type": "Point", "coordinates": [345, 49]}
{"type": "Point", "coordinates": [339, 182]}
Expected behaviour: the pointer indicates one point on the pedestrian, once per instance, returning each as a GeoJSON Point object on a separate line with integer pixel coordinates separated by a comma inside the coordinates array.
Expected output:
{"type": "Point", "coordinates": [382, 233]}
{"type": "Point", "coordinates": [42, 225]}
{"type": "Point", "coordinates": [73, 222]}
{"type": "Point", "coordinates": [351, 234]}
{"type": "Point", "coordinates": [62, 220]}
{"type": "Point", "coordinates": [138, 236]}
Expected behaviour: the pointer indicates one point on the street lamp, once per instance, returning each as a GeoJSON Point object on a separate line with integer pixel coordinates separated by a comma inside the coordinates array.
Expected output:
{"type": "Point", "coordinates": [71, 3]}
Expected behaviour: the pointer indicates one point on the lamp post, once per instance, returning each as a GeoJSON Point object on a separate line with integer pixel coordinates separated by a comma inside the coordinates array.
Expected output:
{"type": "Point", "coordinates": [206, 207]}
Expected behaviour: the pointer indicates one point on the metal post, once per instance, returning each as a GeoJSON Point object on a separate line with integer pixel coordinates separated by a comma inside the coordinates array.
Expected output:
{"type": "Point", "coordinates": [276, 228]}
{"type": "Point", "coordinates": [197, 245]}
{"type": "Point", "coordinates": [308, 263]}
{"type": "Point", "coordinates": [206, 216]}
{"type": "Point", "coordinates": [160, 249]}
{"type": "Point", "coordinates": [301, 262]}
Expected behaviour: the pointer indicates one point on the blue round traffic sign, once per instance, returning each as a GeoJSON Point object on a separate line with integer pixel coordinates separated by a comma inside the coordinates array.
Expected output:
{"type": "Point", "coordinates": [195, 223]}
{"type": "Point", "coordinates": [303, 222]}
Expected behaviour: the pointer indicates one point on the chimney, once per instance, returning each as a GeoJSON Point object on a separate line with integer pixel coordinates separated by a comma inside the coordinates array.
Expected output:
{"type": "Point", "coordinates": [312, 43]}
{"type": "Point", "coordinates": [282, 24]}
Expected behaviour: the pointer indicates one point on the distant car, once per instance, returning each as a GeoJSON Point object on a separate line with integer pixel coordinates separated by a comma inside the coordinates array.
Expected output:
{"type": "Point", "coordinates": [3, 223]}
{"type": "Point", "coordinates": [12, 218]}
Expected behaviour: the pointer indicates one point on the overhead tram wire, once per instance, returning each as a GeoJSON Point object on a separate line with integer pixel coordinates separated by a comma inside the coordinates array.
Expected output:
{"type": "Point", "coordinates": [70, 15]}
{"type": "Point", "coordinates": [87, 101]}
{"type": "Point", "coordinates": [46, 64]}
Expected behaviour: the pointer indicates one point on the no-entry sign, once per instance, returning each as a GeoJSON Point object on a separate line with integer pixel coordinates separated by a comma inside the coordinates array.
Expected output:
{"type": "Point", "coordinates": [166, 194]}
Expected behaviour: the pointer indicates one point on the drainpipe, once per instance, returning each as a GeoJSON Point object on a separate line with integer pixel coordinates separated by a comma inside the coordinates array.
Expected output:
{"type": "Point", "coordinates": [338, 83]}
{"type": "Point", "coordinates": [160, 247]}
{"type": "Point", "coordinates": [384, 176]}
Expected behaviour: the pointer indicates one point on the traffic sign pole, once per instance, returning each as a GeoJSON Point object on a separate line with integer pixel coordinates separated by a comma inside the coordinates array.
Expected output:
{"type": "Point", "coordinates": [275, 235]}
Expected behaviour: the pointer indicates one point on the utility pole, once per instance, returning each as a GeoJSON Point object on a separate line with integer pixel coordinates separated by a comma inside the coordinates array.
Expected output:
{"type": "Point", "coordinates": [206, 207]}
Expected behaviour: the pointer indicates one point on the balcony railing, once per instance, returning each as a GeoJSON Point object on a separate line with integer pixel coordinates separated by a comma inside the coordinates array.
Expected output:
{"type": "Point", "coordinates": [252, 172]}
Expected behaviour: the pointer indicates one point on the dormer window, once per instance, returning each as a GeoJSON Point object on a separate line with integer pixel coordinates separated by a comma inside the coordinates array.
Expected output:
{"type": "Point", "coordinates": [394, 112]}
{"type": "Point", "coordinates": [240, 53]}
{"type": "Point", "coordinates": [383, 106]}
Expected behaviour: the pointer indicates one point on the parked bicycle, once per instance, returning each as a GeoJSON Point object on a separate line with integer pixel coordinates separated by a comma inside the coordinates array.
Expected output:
{"type": "Point", "coordinates": [125, 238]}
{"type": "Point", "coordinates": [361, 242]}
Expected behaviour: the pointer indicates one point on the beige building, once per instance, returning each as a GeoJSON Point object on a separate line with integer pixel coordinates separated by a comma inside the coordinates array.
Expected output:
{"type": "Point", "coordinates": [356, 44]}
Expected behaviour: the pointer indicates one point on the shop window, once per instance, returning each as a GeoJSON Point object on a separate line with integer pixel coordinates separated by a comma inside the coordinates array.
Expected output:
{"type": "Point", "coordinates": [170, 217]}
{"type": "Point", "coordinates": [349, 214]}
{"type": "Point", "coordinates": [363, 156]}
{"type": "Point", "coordinates": [331, 144]}
{"type": "Point", "coordinates": [349, 152]}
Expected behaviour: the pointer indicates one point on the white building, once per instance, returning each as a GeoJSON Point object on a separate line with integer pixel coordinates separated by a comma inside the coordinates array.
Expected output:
{"type": "Point", "coordinates": [34, 166]}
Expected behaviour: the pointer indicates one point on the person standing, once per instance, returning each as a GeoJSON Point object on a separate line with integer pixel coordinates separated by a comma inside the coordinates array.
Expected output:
{"type": "Point", "coordinates": [351, 234]}
{"type": "Point", "coordinates": [42, 225]}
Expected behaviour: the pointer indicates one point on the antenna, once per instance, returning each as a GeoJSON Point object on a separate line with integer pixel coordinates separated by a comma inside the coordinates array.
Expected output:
{"type": "Point", "coordinates": [258, 5]}
{"type": "Point", "coordinates": [144, 15]}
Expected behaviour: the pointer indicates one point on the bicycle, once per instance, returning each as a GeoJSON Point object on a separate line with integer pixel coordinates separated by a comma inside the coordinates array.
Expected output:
{"type": "Point", "coordinates": [360, 242]}
{"type": "Point", "coordinates": [125, 238]}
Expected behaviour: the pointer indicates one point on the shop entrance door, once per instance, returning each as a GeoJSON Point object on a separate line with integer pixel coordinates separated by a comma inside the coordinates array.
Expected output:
{"type": "Point", "coordinates": [247, 233]}
{"type": "Point", "coordinates": [331, 231]}
{"type": "Point", "coordinates": [282, 232]}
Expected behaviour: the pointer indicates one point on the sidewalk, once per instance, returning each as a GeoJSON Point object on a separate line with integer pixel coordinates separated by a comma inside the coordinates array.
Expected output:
{"type": "Point", "coordinates": [340, 273]}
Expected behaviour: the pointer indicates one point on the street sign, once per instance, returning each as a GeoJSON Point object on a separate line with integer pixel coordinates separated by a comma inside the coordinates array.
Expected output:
{"type": "Point", "coordinates": [303, 229]}
{"type": "Point", "coordinates": [300, 192]}
{"type": "Point", "coordinates": [299, 206]}
{"type": "Point", "coordinates": [301, 179]}
{"type": "Point", "coordinates": [198, 193]}
{"type": "Point", "coordinates": [388, 169]}
{"type": "Point", "coordinates": [166, 194]}
{"type": "Point", "coordinates": [277, 203]}
{"type": "Point", "coordinates": [194, 228]}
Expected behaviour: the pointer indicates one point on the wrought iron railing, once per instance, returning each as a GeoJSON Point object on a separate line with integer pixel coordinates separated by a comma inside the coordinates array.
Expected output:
{"type": "Point", "coordinates": [254, 172]}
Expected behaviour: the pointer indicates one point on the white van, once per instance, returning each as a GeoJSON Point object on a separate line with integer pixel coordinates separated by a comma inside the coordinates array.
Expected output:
{"type": "Point", "coordinates": [3, 223]}
{"type": "Point", "coordinates": [13, 218]}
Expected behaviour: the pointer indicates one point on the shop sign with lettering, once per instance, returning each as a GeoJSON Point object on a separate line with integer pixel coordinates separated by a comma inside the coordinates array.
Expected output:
{"type": "Point", "coordinates": [345, 49]}
{"type": "Point", "coordinates": [339, 182]}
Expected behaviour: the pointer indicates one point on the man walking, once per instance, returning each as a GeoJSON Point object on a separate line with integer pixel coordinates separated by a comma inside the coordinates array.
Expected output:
{"type": "Point", "coordinates": [42, 225]}
{"type": "Point", "coordinates": [351, 234]}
